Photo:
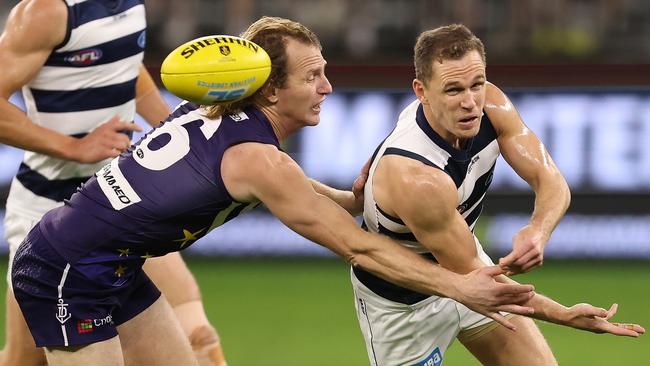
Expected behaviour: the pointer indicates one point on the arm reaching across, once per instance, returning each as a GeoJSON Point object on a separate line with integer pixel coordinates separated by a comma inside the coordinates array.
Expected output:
{"type": "Point", "coordinates": [427, 205]}
{"type": "Point", "coordinates": [253, 171]}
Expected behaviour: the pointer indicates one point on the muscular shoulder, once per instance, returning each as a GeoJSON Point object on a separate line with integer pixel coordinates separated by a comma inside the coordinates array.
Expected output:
{"type": "Point", "coordinates": [248, 165]}
{"type": "Point", "coordinates": [414, 190]}
{"type": "Point", "coordinates": [37, 24]}
{"type": "Point", "coordinates": [501, 111]}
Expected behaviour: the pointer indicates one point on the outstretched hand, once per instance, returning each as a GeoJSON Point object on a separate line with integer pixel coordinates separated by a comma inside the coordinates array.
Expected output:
{"type": "Point", "coordinates": [481, 292]}
{"type": "Point", "coordinates": [593, 319]}
{"type": "Point", "coordinates": [360, 181]}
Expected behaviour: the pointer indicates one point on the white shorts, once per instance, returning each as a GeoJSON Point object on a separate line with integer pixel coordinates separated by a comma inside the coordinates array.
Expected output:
{"type": "Point", "coordinates": [16, 229]}
{"type": "Point", "coordinates": [411, 335]}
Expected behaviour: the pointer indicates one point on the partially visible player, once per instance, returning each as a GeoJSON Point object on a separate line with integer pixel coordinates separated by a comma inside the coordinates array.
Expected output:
{"type": "Point", "coordinates": [425, 187]}
{"type": "Point", "coordinates": [78, 275]}
{"type": "Point", "coordinates": [79, 66]}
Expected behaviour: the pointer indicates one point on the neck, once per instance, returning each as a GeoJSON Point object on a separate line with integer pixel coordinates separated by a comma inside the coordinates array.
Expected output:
{"type": "Point", "coordinates": [453, 140]}
{"type": "Point", "coordinates": [281, 131]}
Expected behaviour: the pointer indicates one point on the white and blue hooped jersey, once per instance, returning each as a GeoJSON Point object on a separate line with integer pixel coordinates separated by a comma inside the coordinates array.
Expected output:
{"type": "Point", "coordinates": [471, 170]}
{"type": "Point", "coordinates": [84, 82]}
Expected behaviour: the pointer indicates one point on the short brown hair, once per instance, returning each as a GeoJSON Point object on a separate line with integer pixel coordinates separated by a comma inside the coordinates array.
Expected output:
{"type": "Point", "coordinates": [270, 33]}
{"type": "Point", "coordinates": [450, 42]}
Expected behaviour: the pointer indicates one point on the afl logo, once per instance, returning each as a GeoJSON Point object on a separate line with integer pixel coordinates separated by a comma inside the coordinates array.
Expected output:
{"type": "Point", "coordinates": [225, 50]}
{"type": "Point", "coordinates": [85, 57]}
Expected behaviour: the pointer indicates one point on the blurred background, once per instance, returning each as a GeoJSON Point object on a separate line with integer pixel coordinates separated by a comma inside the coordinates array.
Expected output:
{"type": "Point", "coordinates": [578, 71]}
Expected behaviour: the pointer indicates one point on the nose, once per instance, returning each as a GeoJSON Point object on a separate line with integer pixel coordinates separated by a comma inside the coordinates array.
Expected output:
{"type": "Point", "coordinates": [325, 87]}
{"type": "Point", "coordinates": [468, 102]}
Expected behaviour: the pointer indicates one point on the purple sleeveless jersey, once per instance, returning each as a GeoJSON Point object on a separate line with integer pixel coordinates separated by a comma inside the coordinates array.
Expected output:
{"type": "Point", "coordinates": [161, 195]}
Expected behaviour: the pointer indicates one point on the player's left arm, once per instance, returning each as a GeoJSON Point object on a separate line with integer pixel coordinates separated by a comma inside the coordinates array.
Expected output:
{"type": "Point", "coordinates": [529, 158]}
{"type": "Point", "coordinates": [148, 102]}
{"type": "Point", "coordinates": [350, 202]}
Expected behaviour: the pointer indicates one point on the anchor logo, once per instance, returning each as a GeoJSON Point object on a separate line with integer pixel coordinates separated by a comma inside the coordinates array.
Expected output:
{"type": "Point", "coordinates": [62, 316]}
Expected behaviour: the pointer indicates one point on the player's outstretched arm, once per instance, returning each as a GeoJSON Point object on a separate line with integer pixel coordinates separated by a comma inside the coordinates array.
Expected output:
{"type": "Point", "coordinates": [531, 161]}
{"type": "Point", "coordinates": [581, 316]}
{"type": "Point", "coordinates": [256, 171]}
{"type": "Point", "coordinates": [346, 199]}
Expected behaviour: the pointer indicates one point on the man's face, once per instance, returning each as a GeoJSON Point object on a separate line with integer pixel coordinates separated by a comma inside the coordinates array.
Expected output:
{"type": "Point", "coordinates": [454, 98]}
{"type": "Point", "coordinates": [299, 100]}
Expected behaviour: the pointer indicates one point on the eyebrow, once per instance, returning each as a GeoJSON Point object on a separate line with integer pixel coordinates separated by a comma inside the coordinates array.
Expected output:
{"type": "Point", "coordinates": [457, 83]}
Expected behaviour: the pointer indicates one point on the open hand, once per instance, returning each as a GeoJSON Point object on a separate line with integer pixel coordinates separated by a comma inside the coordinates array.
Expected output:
{"type": "Point", "coordinates": [593, 319]}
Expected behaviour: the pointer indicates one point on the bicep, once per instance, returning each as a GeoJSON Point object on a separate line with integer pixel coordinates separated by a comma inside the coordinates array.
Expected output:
{"type": "Point", "coordinates": [429, 211]}
{"type": "Point", "coordinates": [23, 53]}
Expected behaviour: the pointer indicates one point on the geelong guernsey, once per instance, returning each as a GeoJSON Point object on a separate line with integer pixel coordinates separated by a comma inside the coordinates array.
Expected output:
{"type": "Point", "coordinates": [84, 82]}
{"type": "Point", "coordinates": [471, 170]}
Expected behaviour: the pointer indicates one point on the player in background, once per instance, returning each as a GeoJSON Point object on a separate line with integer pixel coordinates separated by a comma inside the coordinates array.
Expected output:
{"type": "Point", "coordinates": [78, 276]}
{"type": "Point", "coordinates": [425, 188]}
{"type": "Point", "coordinates": [79, 66]}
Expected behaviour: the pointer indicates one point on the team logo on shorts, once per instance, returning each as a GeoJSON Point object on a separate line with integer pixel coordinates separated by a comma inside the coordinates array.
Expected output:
{"type": "Point", "coordinates": [225, 50]}
{"type": "Point", "coordinates": [434, 359]}
{"type": "Point", "coordinates": [84, 326]}
{"type": "Point", "coordinates": [62, 314]}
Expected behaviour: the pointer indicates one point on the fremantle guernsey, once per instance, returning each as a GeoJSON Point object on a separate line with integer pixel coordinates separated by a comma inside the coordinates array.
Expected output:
{"type": "Point", "coordinates": [161, 195]}
{"type": "Point", "coordinates": [471, 170]}
{"type": "Point", "coordinates": [85, 81]}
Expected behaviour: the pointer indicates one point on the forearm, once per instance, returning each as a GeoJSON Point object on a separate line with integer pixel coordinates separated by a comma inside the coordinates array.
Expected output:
{"type": "Point", "coordinates": [552, 199]}
{"type": "Point", "coordinates": [149, 103]}
{"type": "Point", "coordinates": [545, 308]}
{"type": "Point", "coordinates": [345, 199]}
{"type": "Point", "coordinates": [17, 130]}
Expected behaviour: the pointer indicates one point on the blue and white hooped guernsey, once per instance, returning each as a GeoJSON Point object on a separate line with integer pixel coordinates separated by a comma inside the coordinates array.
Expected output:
{"type": "Point", "coordinates": [85, 81]}
{"type": "Point", "coordinates": [471, 169]}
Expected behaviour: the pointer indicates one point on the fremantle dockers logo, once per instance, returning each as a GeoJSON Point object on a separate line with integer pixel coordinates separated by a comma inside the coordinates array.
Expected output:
{"type": "Point", "coordinates": [225, 50]}
{"type": "Point", "coordinates": [62, 314]}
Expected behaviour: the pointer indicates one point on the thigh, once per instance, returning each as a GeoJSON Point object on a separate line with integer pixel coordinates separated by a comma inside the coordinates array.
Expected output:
{"type": "Point", "coordinates": [104, 353]}
{"type": "Point", "coordinates": [503, 347]}
{"type": "Point", "coordinates": [400, 334]}
{"type": "Point", "coordinates": [154, 337]}
{"type": "Point", "coordinates": [16, 229]}
{"type": "Point", "coordinates": [173, 278]}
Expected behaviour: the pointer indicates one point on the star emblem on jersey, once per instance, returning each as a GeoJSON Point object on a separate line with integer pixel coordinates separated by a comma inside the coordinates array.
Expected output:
{"type": "Point", "coordinates": [124, 252]}
{"type": "Point", "coordinates": [120, 270]}
{"type": "Point", "coordinates": [146, 255]}
{"type": "Point", "coordinates": [188, 236]}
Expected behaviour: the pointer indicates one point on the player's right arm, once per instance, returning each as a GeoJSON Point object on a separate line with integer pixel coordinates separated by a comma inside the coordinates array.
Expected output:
{"type": "Point", "coordinates": [33, 29]}
{"type": "Point", "coordinates": [256, 171]}
{"type": "Point", "coordinates": [425, 198]}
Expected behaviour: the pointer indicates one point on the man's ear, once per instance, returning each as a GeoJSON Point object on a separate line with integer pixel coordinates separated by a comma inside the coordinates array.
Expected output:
{"type": "Point", "coordinates": [270, 92]}
{"type": "Point", "coordinates": [418, 89]}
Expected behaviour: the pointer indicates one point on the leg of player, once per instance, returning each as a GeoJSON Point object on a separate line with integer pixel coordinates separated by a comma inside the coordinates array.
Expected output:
{"type": "Point", "coordinates": [105, 353]}
{"type": "Point", "coordinates": [170, 348]}
{"type": "Point", "coordinates": [20, 349]}
{"type": "Point", "coordinates": [173, 278]}
{"type": "Point", "coordinates": [503, 347]}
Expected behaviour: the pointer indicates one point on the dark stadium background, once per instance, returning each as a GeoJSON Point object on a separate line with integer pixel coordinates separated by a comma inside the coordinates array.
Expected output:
{"type": "Point", "coordinates": [579, 73]}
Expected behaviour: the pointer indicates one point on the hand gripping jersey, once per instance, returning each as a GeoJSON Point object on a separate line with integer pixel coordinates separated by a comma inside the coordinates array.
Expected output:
{"type": "Point", "coordinates": [471, 170]}
{"type": "Point", "coordinates": [84, 82]}
{"type": "Point", "coordinates": [161, 195]}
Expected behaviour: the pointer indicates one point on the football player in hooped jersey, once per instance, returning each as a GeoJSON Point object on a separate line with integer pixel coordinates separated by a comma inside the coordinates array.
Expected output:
{"type": "Point", "coordinates": [79, 64]}
{"type": "Point", "coordinates": [78, 278]}
{"type": "Point", "coordinates": [425, 188]}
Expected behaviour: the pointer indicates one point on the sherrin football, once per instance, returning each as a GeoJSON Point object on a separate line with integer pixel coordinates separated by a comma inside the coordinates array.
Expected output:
{"type": "Point", "coordinates": [215, 69]}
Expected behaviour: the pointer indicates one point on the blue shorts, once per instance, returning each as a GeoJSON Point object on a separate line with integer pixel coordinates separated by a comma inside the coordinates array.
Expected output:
{"type": "Point", "coordinates": [66, 305]}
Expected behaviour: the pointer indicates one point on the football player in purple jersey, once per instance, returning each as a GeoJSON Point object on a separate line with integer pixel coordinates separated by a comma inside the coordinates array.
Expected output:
{"type": "Point", "coordinates": [78, 275]}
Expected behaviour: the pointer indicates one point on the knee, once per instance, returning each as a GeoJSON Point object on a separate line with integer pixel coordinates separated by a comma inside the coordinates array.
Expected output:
{"type": "Point", "coordinates": [203, 336]}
